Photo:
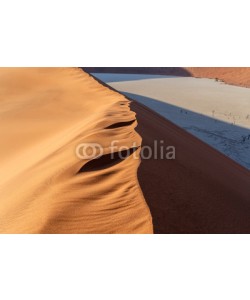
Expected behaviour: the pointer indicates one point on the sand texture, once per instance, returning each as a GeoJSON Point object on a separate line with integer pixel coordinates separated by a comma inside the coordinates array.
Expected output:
{"type": "Point", "coordinates": [239, 76]}
{"type": "Point", "coordinates": [200, 191]}
{"type": "Point", "coordinates": [44, 187]}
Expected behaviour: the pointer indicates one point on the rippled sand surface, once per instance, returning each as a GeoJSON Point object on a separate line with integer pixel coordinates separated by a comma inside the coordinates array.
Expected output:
{"type": "Point", "coordinates": [45, 187]}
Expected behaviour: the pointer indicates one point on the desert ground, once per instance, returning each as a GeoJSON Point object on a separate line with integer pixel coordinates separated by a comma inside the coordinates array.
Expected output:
{"type": "Point", "coordinates": [239, 76]}
{"type": "Point", "coordinates": [47, 187]}
{"type": "Point", "coordinates": [217, 113]}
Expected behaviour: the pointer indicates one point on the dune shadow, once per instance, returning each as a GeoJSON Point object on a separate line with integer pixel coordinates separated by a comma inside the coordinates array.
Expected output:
{"type": "Point", "coordinates": [120, 124]}
{"type": "Point", "coordinates": [111, 77]}
{"type": "Point", "coordinates": [200, 191]}
{"type": "Point", "coordinates": [106, 161]}
{"type": "Point", "coordinates": [228, 138]}
{"type": "Point", "coordinates": [139, 73]}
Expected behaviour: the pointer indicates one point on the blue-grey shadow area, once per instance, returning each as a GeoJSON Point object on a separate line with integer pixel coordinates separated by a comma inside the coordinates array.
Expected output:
{"type": "Point", "coordinates": [173, 71]}
{"type": "Point", "coordinates": [116, 77]}
{"type": "Point", "coordinates": [228, 138]}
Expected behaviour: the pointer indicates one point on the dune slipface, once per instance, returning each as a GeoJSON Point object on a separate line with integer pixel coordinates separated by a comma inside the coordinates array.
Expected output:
{"type": "Point", "coordinates": [200, 191]}
{"type": "Point", "coordinates": [45, 187]}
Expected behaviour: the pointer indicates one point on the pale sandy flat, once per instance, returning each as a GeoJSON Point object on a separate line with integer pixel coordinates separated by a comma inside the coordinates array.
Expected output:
{"type": "Point", "coordinates": [217, 113]}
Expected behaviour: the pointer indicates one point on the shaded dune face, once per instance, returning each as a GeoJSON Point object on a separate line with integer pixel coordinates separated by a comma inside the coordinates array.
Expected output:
{"type": "Point", "coordinates": [200, 191]}
{"type": "Point", "coordinates": [45, 187]}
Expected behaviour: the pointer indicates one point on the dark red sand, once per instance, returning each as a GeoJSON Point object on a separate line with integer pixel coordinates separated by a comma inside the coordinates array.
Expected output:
{"type": "Point", "coordinates": [201, 191]}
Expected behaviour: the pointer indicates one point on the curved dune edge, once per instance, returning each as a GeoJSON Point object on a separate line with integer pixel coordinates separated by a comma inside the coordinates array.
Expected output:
{"type": "Point", "coordinates": [201, 191]}
{"type": "Point", "coordinates": [45, 188]}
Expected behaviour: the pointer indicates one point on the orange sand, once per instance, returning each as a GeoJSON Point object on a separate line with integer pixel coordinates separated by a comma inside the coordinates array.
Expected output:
{"type": "Point", "coordinates": [45, 188]}
{"type": "Point", "coordinates": [230, 75]}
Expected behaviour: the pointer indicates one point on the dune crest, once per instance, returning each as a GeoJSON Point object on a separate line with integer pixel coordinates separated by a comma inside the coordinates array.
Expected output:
{"type": "Point", "coordinates": [45, 187]}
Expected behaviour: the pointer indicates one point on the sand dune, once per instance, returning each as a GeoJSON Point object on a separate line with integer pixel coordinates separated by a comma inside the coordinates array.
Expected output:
{"type": "Point", "coordinates": [45, 188]}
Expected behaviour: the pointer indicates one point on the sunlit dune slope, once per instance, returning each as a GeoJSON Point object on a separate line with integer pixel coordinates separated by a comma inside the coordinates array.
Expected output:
{"type": "Point", "coordinates": [45, 114]}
